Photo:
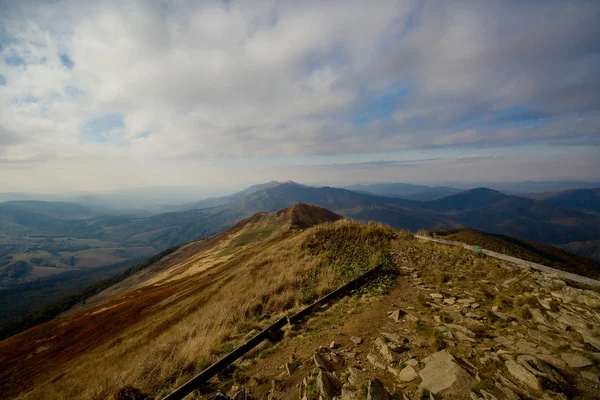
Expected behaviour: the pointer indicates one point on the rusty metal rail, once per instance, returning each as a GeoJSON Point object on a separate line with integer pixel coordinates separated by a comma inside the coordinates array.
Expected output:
{"type": "Point", "coordinates": [270, 332]}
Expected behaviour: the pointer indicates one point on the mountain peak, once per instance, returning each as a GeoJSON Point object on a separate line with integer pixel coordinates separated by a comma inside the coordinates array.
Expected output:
{"type": "Point", "coordinates": [302, 215]}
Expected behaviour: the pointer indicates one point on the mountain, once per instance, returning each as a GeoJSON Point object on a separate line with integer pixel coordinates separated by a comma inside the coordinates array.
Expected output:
{"type": "Point", "coordinates": [586, 200]}
{"type": "Point", "coordinates": [405, 190]}
{"type": "Point", "coordinates": [433, 320]}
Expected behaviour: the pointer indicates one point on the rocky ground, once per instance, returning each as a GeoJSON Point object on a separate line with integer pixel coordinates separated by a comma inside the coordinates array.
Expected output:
{"type": "Point", "coordinates": [475, 329]}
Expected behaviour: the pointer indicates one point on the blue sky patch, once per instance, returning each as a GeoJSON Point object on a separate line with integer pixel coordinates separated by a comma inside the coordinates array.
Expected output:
{"type": "Point", "coordinates": [66, 60]}
{"type": "Point", "coordinates": [2, 80]}
{"type": "Point", "coordinates": [96, 129]}
{"type": "Point", "coordinates": [14, 60]}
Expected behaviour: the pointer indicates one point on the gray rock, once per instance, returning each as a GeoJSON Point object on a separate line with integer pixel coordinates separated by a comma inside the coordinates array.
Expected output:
{"type": "Point", "coordinates": [376, 390]}
{"type": "Point", "coordinates": [575, 360]}
{"type": "Point", "coordinates": [408, 374]}
{"type": "Point", "coordinates": [356, 377]}
{"type": "Point", "coordinates": [436, 296]}
{"type": "Point", "coordinates": [326, 385]}
{"type": "Point", "coordinates": [373, 360]}
{"type": "Point", "coordinates": [450, 300]}
{"type": "Point", "coordinates": [321, 362]}
{"type": "Point", "coordinates": [522, 375]}
{"type": "Point", "coordinates": [412, 362]}
{"type": "Point", "coordinates": [394, 338]}
{"type": "Point", "coordinates": [590, 376]}
{"type": "Point", "coordinates": [396, 315]}
{"type": "Point", "coordinates": [443, 374]}
{"type": "Point", "coordinates": [356, 340]}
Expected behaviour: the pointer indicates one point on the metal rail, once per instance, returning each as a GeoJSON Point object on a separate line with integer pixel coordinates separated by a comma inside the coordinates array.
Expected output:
{"type": "Point", "coordinates": [268, 333]}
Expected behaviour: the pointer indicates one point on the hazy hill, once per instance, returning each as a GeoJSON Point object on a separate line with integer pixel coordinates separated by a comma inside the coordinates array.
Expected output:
{"type": "Point", "coordinates": [587, 200]}
{"type": "Point", "coordinates": [405, 190]}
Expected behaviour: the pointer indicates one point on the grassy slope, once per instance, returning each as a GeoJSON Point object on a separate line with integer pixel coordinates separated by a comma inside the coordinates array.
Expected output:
{"type": "Point", "coordinates": [526, 250]}
{"type": "Point", "coordinates": [157, 335]}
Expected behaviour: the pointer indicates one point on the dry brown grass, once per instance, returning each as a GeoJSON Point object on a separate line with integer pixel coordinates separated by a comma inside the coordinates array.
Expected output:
{"type": "Point", "coordinates": [181, 327]}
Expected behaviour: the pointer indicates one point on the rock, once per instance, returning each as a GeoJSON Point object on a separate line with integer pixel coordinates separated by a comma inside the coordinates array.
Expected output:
{"type": "Point", "coordinates": [388, 354]}
{"type": "Point", "coordinates": [376, 390]}
{"type": "Point", "coordinates": [495, 309]}
{"type": "Point", "coordinates": [436, 296]}
{"type": "Point", "coordinates": [408, 374]}
{"type": "Point", "coordinates": [333, 345]}
{"type": "Point", "coordinates": [475, 305]}
{"type": "Point", "coordinates": [443, 374]}
{"type": "Point", "coordinates": [373, 360]}
{"type": "Point", "coordinates": [462, 329]}
{"type": "Point", "coordinates": [522, 375]}
{"type": "Point", "coordinates": [487, 395]}
{"type": "Point", "coordinates": [356, 340]}
{"type": "Point", "coordinates": [588, 338]}
{"type": "Point", "coordinates": [396, 315]}
{"type": "Point", "coordinates": [412, 362]}
{"type": "Point", "coordinates": [465, 301]}
{"type": "Point", "coordinates": [575, 360]}
{"type": "Point", "coordinates": [552, 360]}
{"type": "Point", "coordinates": [540, 369]}
{"type": "Point", "coordinates": [450, 300]}
{"type": "Point", "coordinates": [326, 384]}
{"type": "Point", "coordinates": [510, 395]}
{"type": "Point", "coordinates": [394, 338]}
{"type": "Point", "coordinates": [590, 376]}
{"type": "Point", "coordinates": [321, 362]}
{"type": "Point", "coordinates": [356, 377]}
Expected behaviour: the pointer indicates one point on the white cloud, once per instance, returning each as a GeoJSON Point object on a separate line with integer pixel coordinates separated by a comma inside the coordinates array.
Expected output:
{"type": "Point", "coordinates": [204, 81]}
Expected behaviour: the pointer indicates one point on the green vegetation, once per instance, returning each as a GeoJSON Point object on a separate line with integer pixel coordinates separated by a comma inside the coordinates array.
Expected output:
{"type": "Point", "coordinates": [526, 250]}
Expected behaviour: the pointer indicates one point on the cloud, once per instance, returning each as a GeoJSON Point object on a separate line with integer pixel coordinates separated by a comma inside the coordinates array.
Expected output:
{"type": "Point", "coordinates": [168, 83]}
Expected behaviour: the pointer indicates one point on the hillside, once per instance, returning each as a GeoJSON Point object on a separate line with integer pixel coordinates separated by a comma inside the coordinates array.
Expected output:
{"type": "Point", "coordinates": [586, 200]}
{"type": "Point", "coordinates": [525, 249]}
{"type": "Point", "coordinates": [152, 331]}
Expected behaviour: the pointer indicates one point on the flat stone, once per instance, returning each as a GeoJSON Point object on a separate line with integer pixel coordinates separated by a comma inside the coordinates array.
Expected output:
{"type": "Point", "coordinates": [443, 374]}
{"type": "Point", "coordinates": [326, 384]}
{"type": "Point", "coordinates": [450, 300]}
{"type": "Point", "coordinates": [289, 368]}
{"type": "Point", "coordinates": [462, 329]}
{"type": "Point", "coordinates": [388, 354]}
{"type": "Point", "coordinates": [408, 374]}
{"type": "Point", "coordinates": [334, 345]}
{"type": "Point", "coordinates": [475, 305]}
{"type": "Point", "coordinates": [495, 308]}
{"type": "Point", "coordinates": [394, 337]}
{"type": "Point", "coordinates": [396, 315]}
{"type": "Point", "coordinates": [376, 390]}
{"type": "Point", "coordinates": [356, 340]}
{"type": "Point", "coordinates": [436, 296]}
{"type": "Point", "coordinates": [356, 377]}
{"type": "Point", "coordinates": [590, 376]}
{"type": "Point", "coordinates": [575, 360]}
{"type": "Point", "coordinates": [412, 362]}
{"type": "Point", "coordinates": [372, 358]}
{"type": "Point", "coordinates": [522, 375]}
{"type": "Point", "coordinates": [552, 360]}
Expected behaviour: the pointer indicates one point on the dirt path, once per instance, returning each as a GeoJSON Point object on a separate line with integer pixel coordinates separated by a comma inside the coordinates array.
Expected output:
{"type": "Point", "coordinates": [518, 261]}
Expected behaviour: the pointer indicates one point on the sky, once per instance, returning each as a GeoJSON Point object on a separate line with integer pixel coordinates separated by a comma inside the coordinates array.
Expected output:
{"type": "Point", "coordinates": [100, 95]}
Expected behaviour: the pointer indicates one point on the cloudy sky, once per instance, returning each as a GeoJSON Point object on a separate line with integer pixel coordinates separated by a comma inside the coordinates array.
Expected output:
{"type": "Point", "coordinates": [96, 95]}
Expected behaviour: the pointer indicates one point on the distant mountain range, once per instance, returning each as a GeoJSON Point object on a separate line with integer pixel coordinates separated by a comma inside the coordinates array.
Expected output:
{"type": "Point", "coordinates": [555, 218]}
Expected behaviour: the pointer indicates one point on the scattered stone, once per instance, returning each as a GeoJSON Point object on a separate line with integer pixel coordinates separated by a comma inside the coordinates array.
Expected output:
{"type": "Point", "coordinates": [408, 374]}
{"type": "Point", "coordinates": [333, 345]}
{"type": "Point", "coordinates": [326, 384]}
{"type": "Point", "coordinates": [373, 360]}
{"type": "Point", "coordinates": [522, 375]}
{"type": "Point", "coordinates": [356, 340]}
{"type": "Point", "coordinates": [412, 362]}
{"type": "Point", "coordinates": [437, 319]}
{"type": "Point", "coordinates": [394, 337]}
{"type": "Point", "coordinates": [475, 305]}
{"type": "Point", "coordinates": [495, 309]}
{"type": "Point", "coordinates": [575, 360]}
{"type": "Point", "coordinates": [436, 296]}
{"type": "Point", "coordinates": [450, 300]}
{"type": "Point", "coordinates": [321, 362]}
{"type": "Point", "coordinates": [356, 377]}
{"type": "Point", "coordinates": [396, 315]}
{"type": "Point", "coordinates": [590, 376]}
{"type": "Point", "coordinates": [376, 390]}
{"type": "Point", "coordinates": [465, 301]}
{"type": "Point", "coordinates": [443, 374]}
{"type": "Point", "coordinates": [388, 354]}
